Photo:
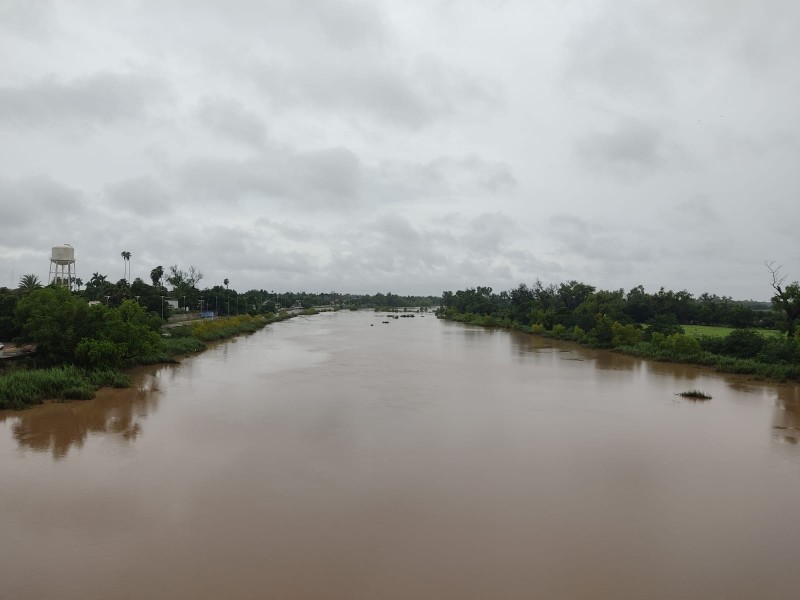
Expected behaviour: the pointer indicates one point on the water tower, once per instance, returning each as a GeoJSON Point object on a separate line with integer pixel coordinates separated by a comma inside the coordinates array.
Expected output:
{"type": "Point", "coordinates": [62, 266]}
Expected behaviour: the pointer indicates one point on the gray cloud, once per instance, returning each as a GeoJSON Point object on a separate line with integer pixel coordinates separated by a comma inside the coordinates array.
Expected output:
{"type": "Point", "coordinates": [441, 178]}
{"type": "Point", "coordinates": [139, 196]}
{"type": "Point", "coordinates": [36, 199]}
{"type": "Point", "coordinates": [344, 24]}
{"type": "Point", "coordinates": [396, 94]}
{"type": "Point", "coordinates": [490, 232]}
{"type": "Point", "coordinates": [99, 99]}
{"type": "Point", "coordinates": [632, 148]}
{"type": "Point", "coordinates": [26, 17]}
{"type": "Point", "coordinates": [231, 120]}
{"type": "Point", "coordinates": [320, 179]}
{"type": "Point", "coordinates": [593, 242]}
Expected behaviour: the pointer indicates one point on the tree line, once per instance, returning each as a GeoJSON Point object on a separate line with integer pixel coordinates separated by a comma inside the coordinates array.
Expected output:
{"type": "Point", "coordinates": [647, 325]}
{"type": "Point", "coordinates": [578, 304]}
{"type": "Point", "coordinates": [183, 286]}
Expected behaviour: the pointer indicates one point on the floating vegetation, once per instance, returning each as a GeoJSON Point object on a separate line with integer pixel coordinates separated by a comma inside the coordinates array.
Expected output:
{"type": "Point", "coordinates": [694, 395]}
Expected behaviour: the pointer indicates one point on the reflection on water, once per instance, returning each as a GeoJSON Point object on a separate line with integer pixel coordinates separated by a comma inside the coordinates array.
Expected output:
{"type": "Point", "coordinates": [57, 427]}
{"type": "Point", "coordinates": [786, 417]}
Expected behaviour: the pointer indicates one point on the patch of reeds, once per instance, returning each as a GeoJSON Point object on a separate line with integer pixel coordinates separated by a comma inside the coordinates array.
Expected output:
{"type": "Point", "coordinates": [109, 378]}
{"type": "Point", "coordinates": [21, 389]}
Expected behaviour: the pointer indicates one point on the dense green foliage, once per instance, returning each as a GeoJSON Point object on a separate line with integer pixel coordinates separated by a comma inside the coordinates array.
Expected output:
{"type": "Point", "coordinates": [66, 329]}
{"type": "Point", "coordinates": [645, 325]}
{"type": "Point", "coordinates": [574, 303]}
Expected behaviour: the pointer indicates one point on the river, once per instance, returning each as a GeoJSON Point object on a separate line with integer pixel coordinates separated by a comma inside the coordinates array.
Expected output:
{"type": "Point", "coordinates": [338, 457]}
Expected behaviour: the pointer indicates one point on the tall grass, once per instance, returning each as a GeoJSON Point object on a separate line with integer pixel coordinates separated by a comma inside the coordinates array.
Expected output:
{"type": "Point", "coordinates": [217, 329]}
{"type": "Point", "coordinates": [20, 389]}
{"type": "Point", "coordinates": [720, 331]}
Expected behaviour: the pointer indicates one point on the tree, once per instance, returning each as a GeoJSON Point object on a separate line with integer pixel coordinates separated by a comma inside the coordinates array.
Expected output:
{"type": "Point", "coordinates": [127, 332]}
{"type": "Point", "coordinates": [786, 299]}
{"type": "Point", "coordinates": [156, 276]}
{"type": "Point", "coordinates": [639, 305]}
{"type": "Point", "coordinates": [126, 261]}
{"type": "Point", "coordinates": [180, 279]}
{"type": "Point", "coordinates": [226, 282]}
{"type": "Point", "coordinates": [96, 286]}
{"type": "Point", "coordinates": [28, 283]}
{"type": "Point", "coordinates": [57, 321]}
{"type": "Point", "coordinates": [9, 328]}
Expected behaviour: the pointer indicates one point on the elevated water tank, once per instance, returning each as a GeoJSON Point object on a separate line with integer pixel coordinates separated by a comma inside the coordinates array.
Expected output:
{"type": "Point", "coordinates": [63, 255]}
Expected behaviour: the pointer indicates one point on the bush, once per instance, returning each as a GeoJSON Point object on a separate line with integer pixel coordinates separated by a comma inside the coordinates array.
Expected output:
{"type": "Point", "coordinates": [682, 345]}
{"type": "Point", "coordinates": [99, 354]}
{"type": "Point", "coordinates": [657, 339]}
{"type": "Point", "coordinates": [625, 335]}
{"type": "Point", "coordinates": [743, 343]}
{"type": "Point", "coordinates": [779, 350]}
{"type": "Point", "coordinates": [665, 323]}
{"type": "Point", "coordinates": [602, 334]}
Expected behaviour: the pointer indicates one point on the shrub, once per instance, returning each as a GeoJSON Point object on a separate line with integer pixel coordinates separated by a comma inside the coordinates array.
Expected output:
{"type": "Point", "coordinates": [625, 335]}
{"type": "Point", "coordinates": [665, 323]}
{"type": "Point", "coordinates": [779, 350]}
{"type": "Point", "coordinates": [682, 345]}
{"type": "Point", "coordinates": [743, 343]}
{"type": "Point", "coordinates": [657, 339]}
{"type": "Point", "coordinates": [99, 354]}
{"type": "Point", "coordinates": [603, 332]}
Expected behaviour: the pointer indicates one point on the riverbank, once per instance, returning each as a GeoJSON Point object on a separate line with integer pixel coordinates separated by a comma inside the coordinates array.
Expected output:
{"type": "Point", "coordinates": [22, 388]}
{"type": "Point", "coordinates": [772, 360]}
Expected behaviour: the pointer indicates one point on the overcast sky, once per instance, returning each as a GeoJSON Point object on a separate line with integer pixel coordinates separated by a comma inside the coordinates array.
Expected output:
{"type": "Point", "coordinates": [412, 147]}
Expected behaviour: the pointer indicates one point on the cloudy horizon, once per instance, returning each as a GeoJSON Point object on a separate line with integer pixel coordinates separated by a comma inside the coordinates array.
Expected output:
{"type": "Point", "coordinates": [356, 146]}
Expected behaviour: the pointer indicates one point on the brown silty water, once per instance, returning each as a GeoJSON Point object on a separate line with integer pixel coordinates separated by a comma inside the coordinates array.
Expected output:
{"type": "Point", "coordinates": [337, 457]}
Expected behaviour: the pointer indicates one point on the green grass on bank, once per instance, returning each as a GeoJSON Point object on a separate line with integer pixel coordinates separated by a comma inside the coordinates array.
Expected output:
{"type": "Point", "coordinates": [718, 331]}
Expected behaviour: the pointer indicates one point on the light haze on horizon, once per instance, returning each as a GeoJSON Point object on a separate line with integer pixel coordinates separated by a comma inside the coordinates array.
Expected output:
{"type": "Point", "coordinates": [412, 147]}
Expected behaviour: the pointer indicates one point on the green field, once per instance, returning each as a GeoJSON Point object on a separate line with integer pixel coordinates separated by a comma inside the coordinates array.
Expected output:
{"type": "Point", "coordinates": [712, 331]}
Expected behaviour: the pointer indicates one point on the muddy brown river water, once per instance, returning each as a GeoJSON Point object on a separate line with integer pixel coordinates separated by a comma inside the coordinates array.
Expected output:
{"type": "Point", "coordinates": [337, 457]}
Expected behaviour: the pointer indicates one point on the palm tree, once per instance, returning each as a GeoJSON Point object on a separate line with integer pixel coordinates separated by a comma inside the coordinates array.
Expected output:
{"type": "Point", "coordinates": [126, 260]}
{"type": "Point", "coordinates": [98, 279]}
{"type": "Point", "coordinates": [156, 275]}
{"type": "Point", "coordinates": [226, 282]}
{"type": "Point", "coordinates": [28, 283]}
